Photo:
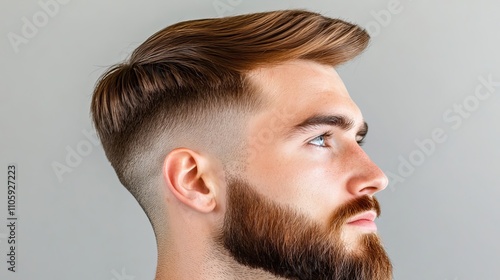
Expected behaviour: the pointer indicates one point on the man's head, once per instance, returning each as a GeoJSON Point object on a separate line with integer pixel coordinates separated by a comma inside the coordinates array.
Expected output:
{"type": "Point", "coordinates": [239, 131]}
{"type": "Point", "coordinates": [290, 212]}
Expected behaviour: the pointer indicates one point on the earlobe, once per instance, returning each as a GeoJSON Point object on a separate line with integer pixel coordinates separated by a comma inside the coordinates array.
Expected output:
{"type": "Point", "coordinates": [185, 173]}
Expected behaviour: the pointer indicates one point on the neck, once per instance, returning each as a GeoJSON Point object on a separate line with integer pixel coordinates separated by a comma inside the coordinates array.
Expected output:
{"type": "Point", "coordinates": [206, 262]}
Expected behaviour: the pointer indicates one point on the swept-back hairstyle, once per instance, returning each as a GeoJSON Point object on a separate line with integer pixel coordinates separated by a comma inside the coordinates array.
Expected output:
{"type": "Point", "coordinates": [179, 84]}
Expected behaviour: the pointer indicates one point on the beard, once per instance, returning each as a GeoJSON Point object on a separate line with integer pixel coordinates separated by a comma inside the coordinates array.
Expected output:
{"type": "Point", "coordinates": [259, 233]}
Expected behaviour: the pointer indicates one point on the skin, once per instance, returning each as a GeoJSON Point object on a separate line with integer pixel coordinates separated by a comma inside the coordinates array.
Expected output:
{"type": "Point", "coordinates": [308, 172]}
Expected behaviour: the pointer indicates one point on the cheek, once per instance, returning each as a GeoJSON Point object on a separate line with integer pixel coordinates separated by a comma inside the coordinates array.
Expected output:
{"type": "Point", "coordinates": [319, 193]}
{"type": "Point", "coordinates": [307, 185]}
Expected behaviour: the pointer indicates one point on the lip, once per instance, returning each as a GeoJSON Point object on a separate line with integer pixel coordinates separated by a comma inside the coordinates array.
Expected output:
{"type": "Point", "coordinates": [364, 220]}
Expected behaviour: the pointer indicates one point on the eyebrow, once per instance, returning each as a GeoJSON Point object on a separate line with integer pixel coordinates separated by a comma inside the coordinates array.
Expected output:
{"type": "Point", "coordinates": [315, 121]}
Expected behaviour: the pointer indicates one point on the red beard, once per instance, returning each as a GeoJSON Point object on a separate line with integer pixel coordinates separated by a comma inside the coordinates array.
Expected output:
{"type": "Point", "coordinates": [261, 234]}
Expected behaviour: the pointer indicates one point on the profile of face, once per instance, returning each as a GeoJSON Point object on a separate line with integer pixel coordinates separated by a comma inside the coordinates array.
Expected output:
{"type": "Point", "coordinates": [303, 208]}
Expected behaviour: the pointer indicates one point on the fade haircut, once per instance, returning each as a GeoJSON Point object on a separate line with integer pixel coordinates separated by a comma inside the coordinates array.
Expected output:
{"type": "Point", "coordinates": [186, 85]}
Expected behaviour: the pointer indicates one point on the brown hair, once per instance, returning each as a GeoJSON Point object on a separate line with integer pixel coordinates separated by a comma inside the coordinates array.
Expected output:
{"type": "Point", "coordinates": [180, 87]}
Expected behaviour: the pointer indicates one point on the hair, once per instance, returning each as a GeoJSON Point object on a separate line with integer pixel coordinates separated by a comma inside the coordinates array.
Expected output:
{"type": "Point", "coordinates": [186, 85]}
{"type": "Point", "coordinates": [261, 233]}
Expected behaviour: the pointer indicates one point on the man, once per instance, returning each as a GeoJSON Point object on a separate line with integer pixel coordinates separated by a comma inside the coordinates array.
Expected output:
{"type": "Point", "coordinates": [242, 145]}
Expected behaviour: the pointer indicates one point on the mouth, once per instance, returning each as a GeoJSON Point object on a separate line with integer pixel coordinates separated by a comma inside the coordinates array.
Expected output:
{"type": "Point", "coordinates": [365, 220]}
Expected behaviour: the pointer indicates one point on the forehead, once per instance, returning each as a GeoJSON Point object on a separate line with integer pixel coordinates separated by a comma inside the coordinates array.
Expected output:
{"type": "Point", "coordinates": [298, 89]}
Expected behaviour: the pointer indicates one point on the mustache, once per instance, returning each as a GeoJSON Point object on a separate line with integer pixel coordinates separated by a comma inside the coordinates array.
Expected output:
{"type": "Point", "coordinates": [353, 207]}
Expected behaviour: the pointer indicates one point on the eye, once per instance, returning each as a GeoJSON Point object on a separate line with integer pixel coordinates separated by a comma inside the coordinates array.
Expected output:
{"type": "Point", "coordinates": [320, 140]}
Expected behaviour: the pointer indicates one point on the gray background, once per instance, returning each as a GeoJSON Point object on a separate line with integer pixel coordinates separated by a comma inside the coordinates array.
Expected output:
{"type": "Point", "coordinates": [440, 213]}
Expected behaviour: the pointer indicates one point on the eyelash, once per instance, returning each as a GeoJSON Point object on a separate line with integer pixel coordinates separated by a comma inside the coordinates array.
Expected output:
{"type": "Point", "coordinates": [327, 135]}
{"type": "Point", "coordinates": [361, 142]}
{"type": "Point", "coordinates": [324, 135]}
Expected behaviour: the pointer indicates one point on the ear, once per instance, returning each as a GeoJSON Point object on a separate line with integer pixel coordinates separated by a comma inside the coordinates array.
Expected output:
{"type": "Point", "coordinates": [190, 178]}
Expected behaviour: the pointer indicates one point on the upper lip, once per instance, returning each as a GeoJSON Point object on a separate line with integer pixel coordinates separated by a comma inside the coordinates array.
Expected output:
{"type": "Point", "coordinates": [368, 215]}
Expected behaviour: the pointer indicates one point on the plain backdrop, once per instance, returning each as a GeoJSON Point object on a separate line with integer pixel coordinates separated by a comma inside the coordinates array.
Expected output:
{"type": "Point", "coordinates": [428, 85]}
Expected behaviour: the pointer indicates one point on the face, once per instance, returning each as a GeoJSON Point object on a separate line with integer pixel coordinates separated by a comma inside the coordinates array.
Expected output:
{"type": "Point", "coordinates": [305, 203]}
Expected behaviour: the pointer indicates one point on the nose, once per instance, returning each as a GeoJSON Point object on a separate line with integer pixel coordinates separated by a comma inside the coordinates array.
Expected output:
{"type": "Point", "coordinates": [365, 178]}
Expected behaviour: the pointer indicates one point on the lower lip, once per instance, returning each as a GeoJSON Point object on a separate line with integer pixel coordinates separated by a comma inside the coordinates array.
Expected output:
{"type": "Point", "coordinates": [366, 224]}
